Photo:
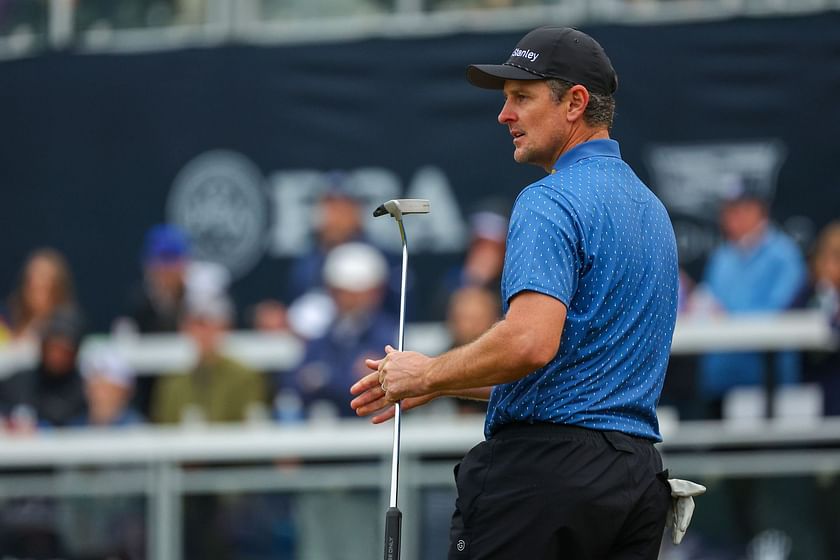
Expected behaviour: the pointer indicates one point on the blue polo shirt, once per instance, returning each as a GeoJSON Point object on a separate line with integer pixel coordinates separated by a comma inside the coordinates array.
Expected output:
{"type": "Point", "coordinates": [593, 236]}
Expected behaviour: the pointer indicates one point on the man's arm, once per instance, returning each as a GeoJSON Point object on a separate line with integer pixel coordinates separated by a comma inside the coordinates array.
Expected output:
{"type": "Point", "coordinates": [525, 340]}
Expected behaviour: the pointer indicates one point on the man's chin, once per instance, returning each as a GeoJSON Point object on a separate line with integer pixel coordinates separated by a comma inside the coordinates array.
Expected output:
{"type": "Point", "coordinates": [521, 156]}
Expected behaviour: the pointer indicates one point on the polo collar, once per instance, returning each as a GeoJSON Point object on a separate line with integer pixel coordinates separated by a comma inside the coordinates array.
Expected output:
{"type": "Point", "coordinates": [604, 147]}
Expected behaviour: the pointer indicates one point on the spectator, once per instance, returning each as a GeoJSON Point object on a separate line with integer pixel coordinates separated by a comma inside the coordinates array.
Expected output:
{"type": "Point", "coordinates": [158, 304]}
{"type": "Point", "coordinates": [757, 269]}
{"type": "Point", "coordinates": [684, 293]}
{"type": "Point", "coordinates": [269, 316]}
{"type": "Point", "coordinates": [485, 258]}
{"type": "Point", "coordinates": [45, 286]}
{"type": "Point", "coordinates": [217, 388]}
{"type": "Point", "coordinates": [53, 393]}
{"type": "Point", "coordinates": [823, 288]}
{"type": "Point", "coordinates": [356, 276]}
{"type": "Point", "coordinates": [823, 292]}
{"type": "Point", "coordinates": [338, 220]}
{"type": "Point", "coordinates": [109, 384]}
{"type": "Point", "coordinates": [472, 311]}
{"type": "Point", "coordinates": [679, 390]}
{"type": "Point", "coordinates": [97, 526]}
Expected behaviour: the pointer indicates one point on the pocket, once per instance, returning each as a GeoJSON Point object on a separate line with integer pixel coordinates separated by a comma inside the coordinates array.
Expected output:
{"type": "Point", "coordinates": [471, 477]}
{"type": "Point", "coordinates": [619, 442]}
{"type": "Point", "coordinates": [665, 488]}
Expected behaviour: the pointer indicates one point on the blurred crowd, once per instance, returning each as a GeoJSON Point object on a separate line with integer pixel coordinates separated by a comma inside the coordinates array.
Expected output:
{"type": "Point", "coordinates": [341, 302]}
{"type": "Point", "coordinates": [758, 269]}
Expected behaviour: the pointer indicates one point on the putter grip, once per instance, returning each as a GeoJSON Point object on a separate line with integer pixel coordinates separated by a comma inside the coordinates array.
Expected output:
{"type": "Point", "coordinates": [393, 523]}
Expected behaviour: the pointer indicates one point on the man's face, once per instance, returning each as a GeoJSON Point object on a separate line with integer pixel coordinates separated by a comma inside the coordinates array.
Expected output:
{"type": "Point", "coordinates": [205, 332]}
{"type": "Point", "coordinates": [827, 261]}
{"type": "Point", "coordinates": [339, 221]}
{"type": "Point", "coordinates": [740, 219]}
{"type": "Point", "coordinates": [167, 276]}
{"type": "Point", "coordinates": [472, 311]}
{"type": "Point", "coordinates": [536, 121]}
{"type": "Point", "coordinates": [357, 301]}
{"type": "Point", "coordinates": [58, 355]}
{"type": "Point", "coordinates": [40, 286]}
{"type": "Point", "coordinates": [106, 399]}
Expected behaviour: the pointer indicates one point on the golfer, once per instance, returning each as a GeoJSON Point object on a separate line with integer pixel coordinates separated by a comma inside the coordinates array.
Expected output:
{"type": "Point", "coordinates": [574, 371]}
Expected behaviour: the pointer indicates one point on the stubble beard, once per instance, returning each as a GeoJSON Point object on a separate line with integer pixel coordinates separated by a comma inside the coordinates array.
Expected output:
{"type": "Point", "coordinates": [527, 154]}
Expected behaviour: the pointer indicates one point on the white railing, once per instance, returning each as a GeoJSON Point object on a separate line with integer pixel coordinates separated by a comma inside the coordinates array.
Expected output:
{"type": "Point", "coordinates": [148, 461]}
{"type": "Point", "coordinates": [162, 353]}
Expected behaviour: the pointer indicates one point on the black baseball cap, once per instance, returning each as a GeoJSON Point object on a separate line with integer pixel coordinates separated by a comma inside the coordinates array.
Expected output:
{"type": "Point", "coordinates": [551, 52]}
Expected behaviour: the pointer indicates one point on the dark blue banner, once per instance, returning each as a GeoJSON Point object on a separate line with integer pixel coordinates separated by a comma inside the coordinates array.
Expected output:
{"type": "Point", "coordinates": [234, 142]}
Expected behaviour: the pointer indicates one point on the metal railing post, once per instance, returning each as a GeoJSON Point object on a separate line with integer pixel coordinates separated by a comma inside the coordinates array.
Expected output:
{"type": "Point", "coordinates": [60, 19]}
{"type": "Point", "coordinates": [164, 520]}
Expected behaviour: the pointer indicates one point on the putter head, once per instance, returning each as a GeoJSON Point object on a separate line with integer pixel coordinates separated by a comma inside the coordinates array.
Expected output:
{"type": "Point", "coordinates": [400, 206]}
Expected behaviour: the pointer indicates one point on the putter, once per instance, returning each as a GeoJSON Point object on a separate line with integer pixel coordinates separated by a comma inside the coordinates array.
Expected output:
{"type": "Point", "coordinates": [393, 517]}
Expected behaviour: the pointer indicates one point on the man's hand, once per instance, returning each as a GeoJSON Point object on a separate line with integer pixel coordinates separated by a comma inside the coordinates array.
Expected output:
{"type": "Point", "coordinates": [397, 377]}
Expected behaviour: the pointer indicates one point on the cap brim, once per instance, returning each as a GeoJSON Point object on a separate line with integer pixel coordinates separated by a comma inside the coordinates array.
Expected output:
{"type": "Point", "coordinates": [493, 76]}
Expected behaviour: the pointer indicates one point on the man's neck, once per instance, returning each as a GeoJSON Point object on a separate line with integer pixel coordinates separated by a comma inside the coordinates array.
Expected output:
{"type": "Point", "coordinates": [752, 238]}
{"type": "Point", "coordinates": [579, 136]}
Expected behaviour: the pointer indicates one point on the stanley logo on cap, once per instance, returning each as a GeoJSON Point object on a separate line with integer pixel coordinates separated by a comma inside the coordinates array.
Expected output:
{"type": "Point", "coordinates": [526, 54]}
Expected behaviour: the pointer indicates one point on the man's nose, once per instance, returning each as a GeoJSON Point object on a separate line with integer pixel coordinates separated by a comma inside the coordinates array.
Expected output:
{"type": "Point", "coordinates": [506, 115]}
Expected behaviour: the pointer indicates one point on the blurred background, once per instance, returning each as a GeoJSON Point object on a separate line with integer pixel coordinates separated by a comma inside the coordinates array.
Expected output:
{"type": "Point", "coordinates": [191, 277]}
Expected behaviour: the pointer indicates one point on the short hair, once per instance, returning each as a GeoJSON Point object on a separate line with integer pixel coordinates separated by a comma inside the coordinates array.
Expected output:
{"type": "Point", "coordinates": [600, 110]}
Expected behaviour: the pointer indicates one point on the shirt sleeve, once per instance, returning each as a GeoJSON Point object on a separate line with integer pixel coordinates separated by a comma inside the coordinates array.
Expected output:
{"type": "Point", "coordinates": [544, 246]}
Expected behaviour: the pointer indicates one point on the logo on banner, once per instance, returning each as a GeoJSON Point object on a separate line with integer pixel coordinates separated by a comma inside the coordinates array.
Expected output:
{"type": "Point", "coordinates": [234, 216]}
{"type": "Point", "coordinates": [218, 198]}
{"type": "Point", "coordinates": [692, 181]}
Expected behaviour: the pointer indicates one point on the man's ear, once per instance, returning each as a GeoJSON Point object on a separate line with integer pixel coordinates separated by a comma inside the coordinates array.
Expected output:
{"type": "Point", "coordinates": [578, 99]}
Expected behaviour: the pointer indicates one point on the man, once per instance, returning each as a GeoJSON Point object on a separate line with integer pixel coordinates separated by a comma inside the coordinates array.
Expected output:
{"type": "Point", "coordinates": [338, 221]}
{"type": "Point", "coordinates": [217, 388]}
{"type": "Point", "coordinates": [576, 365]}
{"type": "Point", "coordinates": [109, 386]}
{"type": "Point", "coordinates": [50, 395]}
{"type": "Point", "coordinates": [472, 310]}
{"type": "Point", "coordinates": [157, 305]}
{"type": "Point", "coordinates": [758, 269]}
{"type": "Point", "coordinates": [356, 275]}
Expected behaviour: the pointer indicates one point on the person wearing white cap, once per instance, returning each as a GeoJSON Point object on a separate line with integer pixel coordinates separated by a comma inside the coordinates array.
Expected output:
{"type": "Point", "coordinates": [355, 275]}
{"type": "Point", "coordinates": [109, 386]}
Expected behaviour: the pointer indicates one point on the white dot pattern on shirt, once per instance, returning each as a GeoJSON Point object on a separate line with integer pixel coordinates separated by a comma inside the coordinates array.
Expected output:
{"type": "Point", "coordinates": [594, 237]}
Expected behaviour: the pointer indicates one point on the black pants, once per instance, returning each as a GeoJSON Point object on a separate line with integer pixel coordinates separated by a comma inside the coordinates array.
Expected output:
{"type": "Point", "coordinates": [548, 491]}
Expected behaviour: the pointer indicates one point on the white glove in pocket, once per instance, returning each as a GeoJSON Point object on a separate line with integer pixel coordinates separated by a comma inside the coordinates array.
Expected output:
{"type": "Point", "coordinates": [682, 506]}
